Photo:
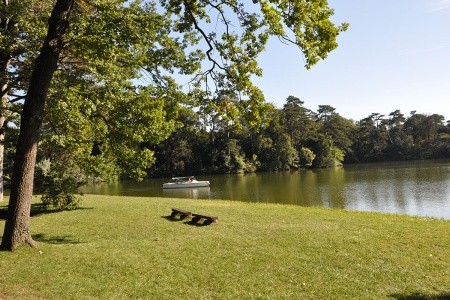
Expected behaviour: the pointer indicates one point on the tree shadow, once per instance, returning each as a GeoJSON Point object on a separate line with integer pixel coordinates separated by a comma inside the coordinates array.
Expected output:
{"type": "Point", "coordinates": [37, 209]}
{"type": "Point", "coordinates": [172, 219]}
{"type": "Point", "coordinates": [419, 296]}
{"type": "Point", "coordinates": [60, 239]}
{"type": "Point", "coordinates": [198, 223]}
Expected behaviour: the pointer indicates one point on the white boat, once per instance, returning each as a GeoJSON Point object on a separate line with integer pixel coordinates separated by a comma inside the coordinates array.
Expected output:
{"type": "Point", "coordinates": [185, 182]}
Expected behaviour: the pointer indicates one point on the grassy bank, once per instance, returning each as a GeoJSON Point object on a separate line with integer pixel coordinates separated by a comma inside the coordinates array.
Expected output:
{"type": "Point", "coordinates": [126, 248]}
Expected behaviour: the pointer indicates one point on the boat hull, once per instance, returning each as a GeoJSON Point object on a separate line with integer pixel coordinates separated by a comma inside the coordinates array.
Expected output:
{"type": "Point", "coordinates": [184, 185]}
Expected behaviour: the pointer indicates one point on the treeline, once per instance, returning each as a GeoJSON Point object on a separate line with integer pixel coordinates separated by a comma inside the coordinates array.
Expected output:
{"type": "Point", "coordinates": [295, 137]}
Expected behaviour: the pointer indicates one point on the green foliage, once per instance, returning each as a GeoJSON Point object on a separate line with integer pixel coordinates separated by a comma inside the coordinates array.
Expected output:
{"type": "Point", "coordinates": [60, 192]}
{"type": "Point", "coordinates": [297, 121]}
{"type": "Point", "coordinates": [400, 138]}
{"type": "Point", "coordinates": [236, 32]}
{"type": "Point", "coordinates": [322, 146]}
{"type": "Point", "coordinates": [59, 188]}
{"type": "Point", "coordinates": [309, 22]}
{"type": "Point", "coordinates": [306, 157]}
{"type": "Point", "coordinates": [323, 139]}
{"type": "Point", "coordinates": [371, 140]}
{"type": "Point", "coordinates": [24, 25]}
{"type": "Point", "coordinates": [337, 155]}
{"type": "Point", "coordinates": [339, 129]}
{"type": "Point", "coordinates": [115, 98]}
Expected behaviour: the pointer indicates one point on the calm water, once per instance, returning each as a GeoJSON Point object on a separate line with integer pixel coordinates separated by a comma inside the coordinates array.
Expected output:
{"type": "Point", "coordinates": [413, 188]}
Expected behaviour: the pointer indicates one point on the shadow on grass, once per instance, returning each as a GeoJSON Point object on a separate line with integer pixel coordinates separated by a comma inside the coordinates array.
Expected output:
{"type": "Point", "coordinates": [418, 296]}
{"type": "Point", "coordinates": [171, 219]}
{"type": "Point", "coordinates": [61, 239]}
{"type": "Point", "coordinates": [2, 216]}
{"type": "Point", "coordinates": [37, 209]}
{"type": "Point", "coordinates": [186, 221]}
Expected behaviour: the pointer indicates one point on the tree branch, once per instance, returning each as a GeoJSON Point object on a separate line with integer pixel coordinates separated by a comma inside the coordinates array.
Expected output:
{"type": "Point", "coordinates": [207, 40]}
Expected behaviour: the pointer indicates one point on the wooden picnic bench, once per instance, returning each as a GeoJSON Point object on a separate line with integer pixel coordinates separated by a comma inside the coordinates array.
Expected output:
{"type": "Point", "coordinates": [182, 214]}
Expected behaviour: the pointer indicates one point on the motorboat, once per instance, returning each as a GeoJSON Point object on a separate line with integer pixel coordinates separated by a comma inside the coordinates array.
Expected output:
{"type": "Point", "coordinates": [185, 182]}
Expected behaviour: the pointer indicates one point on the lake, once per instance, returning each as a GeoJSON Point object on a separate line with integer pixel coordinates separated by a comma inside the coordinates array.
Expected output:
{"type": "Point", "coordinates": [419, 188]}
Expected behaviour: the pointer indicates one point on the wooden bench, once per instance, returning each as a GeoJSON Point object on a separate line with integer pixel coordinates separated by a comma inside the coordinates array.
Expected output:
{"type": "Point", "coordinates": [206, 220]}
{"type": "Point", "coordinates": [180, 213]}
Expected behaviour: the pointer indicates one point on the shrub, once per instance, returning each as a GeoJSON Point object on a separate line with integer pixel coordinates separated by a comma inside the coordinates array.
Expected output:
{"type": "Point", "coordinates": [59, 187]}
{"type": "Point", "coordinates": [61, 192]}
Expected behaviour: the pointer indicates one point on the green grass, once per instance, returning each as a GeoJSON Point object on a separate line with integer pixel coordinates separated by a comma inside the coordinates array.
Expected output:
{"type": "Point", "coordinates": [126, 248]}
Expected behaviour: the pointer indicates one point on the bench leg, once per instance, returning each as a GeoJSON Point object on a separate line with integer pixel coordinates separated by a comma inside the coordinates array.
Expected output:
{"type": "Point", "coordinates": [183, 216]}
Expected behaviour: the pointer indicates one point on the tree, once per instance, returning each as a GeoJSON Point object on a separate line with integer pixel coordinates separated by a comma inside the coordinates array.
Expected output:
{"type": "Point", "coordinates": [231, 54]}
{"type": "Point", "coordinates": [325, 111]}
{"type": "Point", "coordinates": [339, 129]}
{"type": "Point", "coordinates": [423, 127]}
{"type": "Point", "coordinates": [275, 149]}
{"type": "Point", "coordinates": [371, 139]}
{"type": "Point", "coordinates": [425, 132]}
{"type": "Point", "coordinates": [4, 61]}
{"type": "Point", "coordinates": [294, 119]}
{"type": "Point", "coordinates": [18, 217]}
{"type": "Point", "coordinates": [22, 29]}
{"type": "Point", "coordinates": [6, 27]}
{"type": "Point", "coordinates": [185, 149]}
{"type": "Point", "coordinates": [399, 143]}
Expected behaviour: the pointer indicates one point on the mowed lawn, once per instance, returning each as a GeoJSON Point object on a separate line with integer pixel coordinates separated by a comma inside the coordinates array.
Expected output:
{"type": "Point", "coordinates": [127, 248]}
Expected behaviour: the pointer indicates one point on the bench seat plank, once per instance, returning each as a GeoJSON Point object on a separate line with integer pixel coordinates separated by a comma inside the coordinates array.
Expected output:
{"type": "Point", "coordinates": [181, 213]}
{"type": "Point", "coordinates": [208, 219]}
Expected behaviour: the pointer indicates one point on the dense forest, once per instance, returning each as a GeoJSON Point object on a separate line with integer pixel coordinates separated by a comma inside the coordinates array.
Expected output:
{"type": "Point", "coordinates": [296, 137]}
{"type": "Point", "coordinates": [206, 141]}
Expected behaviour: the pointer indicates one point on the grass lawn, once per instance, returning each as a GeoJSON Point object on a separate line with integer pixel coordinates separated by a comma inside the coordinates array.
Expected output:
{"type": "Point", "coordinates": [127, 248]}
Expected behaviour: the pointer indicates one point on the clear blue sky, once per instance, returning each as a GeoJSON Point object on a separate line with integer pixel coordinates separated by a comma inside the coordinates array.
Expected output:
{"type": "Point", "coordinates": [395, 55]}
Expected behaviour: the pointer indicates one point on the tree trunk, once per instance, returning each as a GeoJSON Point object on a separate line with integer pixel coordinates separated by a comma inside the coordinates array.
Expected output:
{"type": "Point", "coordinates": [18, 217]}
{"type": "Point", "coordinates": [4, 61]}
{"type": "Point", "coordinates": [5, 58]}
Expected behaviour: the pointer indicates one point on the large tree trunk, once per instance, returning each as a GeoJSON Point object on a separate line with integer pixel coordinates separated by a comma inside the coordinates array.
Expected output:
{"type": "Point", "coordinates": [18, 217]}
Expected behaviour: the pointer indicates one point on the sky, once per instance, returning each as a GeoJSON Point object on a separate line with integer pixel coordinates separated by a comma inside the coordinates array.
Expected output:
{"type": "Point", "coordinates": [395, 55]}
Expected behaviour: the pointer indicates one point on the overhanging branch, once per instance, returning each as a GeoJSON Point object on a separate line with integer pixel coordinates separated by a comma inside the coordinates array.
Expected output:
{"type": "Point", "coordinates": [207, 40]}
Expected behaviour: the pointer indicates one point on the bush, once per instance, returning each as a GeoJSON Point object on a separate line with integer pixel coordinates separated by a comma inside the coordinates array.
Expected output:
{"type": "Point", "coordinates": [306, 157]}
{"type": "Point", "coordinates": [60, 192]}
{"type": "Point", "coordinates": [58, 187]}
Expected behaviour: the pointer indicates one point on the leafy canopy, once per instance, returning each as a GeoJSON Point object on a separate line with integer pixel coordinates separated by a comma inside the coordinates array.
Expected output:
{"type": "Point", "coordinates": [117, 92]}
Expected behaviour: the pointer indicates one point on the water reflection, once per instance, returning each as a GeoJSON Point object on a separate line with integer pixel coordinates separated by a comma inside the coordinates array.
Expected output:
{"type": "Point", "coordinates": [191, 193]}
{"type": "Point", "coordinates": [418, 188]}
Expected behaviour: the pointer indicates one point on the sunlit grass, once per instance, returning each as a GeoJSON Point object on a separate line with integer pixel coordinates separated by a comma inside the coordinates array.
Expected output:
{"type": "Point", "coordinates": [127, 248]}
